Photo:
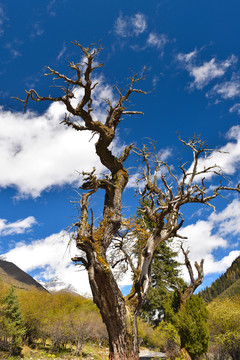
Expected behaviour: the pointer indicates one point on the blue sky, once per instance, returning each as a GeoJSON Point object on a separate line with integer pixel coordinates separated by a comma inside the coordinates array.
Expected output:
{"type": "Point", "coordinates": [192, 58]}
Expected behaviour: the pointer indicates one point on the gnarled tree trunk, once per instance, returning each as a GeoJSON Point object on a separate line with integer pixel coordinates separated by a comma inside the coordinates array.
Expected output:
{"type": "Point", "coordinates": [120, 322]}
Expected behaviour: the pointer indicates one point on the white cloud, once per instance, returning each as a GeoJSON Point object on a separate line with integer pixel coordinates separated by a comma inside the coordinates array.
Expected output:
{"type": "Point", "coordinates": [17, 227]}
{"type": "Point", "coordinates": [52, 258]}
{"type": "Point", "coordinates": [201, 241]}
{"type": "Point", "coordinates": [228, 219]}
{"type": "Point", "coordinates": [139, 23]}
{"type": "Point", "coordinates": [235, 107]}
{"type": "Point", "coordinates": [205, 236]}
{"type": "Point", "coordinates": [128, 26]}
{"type": "Point", "coordinates": [207, 71]}
{"type": "Point", "coordinates": [158, 41]}
{"type": "Point", "coordinates": [37, 152]}
{"type": "Point", "coordinates": [186, 58]}
{"type": "Point", "coordinates": [62, 52]}
{"type": "Point", "coordinates": [227, 90]}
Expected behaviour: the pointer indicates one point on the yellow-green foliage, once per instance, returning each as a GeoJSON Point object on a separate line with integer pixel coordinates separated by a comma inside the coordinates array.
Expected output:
{"type": "Point", "coordinates": [145, 333]}
{"type": "Point", "coordinates": [63, 318]}
{"type": "Point", "coordinates": [224, 324]}
{"type": "Point", "coordinates": [165, 333]}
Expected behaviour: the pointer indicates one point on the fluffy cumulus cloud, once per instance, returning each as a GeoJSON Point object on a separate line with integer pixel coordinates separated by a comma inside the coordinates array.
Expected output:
{"type": "Point", "coordinates": [207, 71]}
{"type": "Point", "coordinates": [38, 153]}
{"type": "Point", "coordinates": [17, 227]}
{"type": "Point", "coordinates": [207, 236]}
{"type": "Point", "coordinates": [51, 257]}
{"type": "Point", "coordinates": [128, 26]}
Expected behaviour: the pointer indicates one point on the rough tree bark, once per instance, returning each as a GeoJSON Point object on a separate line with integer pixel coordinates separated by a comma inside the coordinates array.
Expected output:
{"type": "Point", "coordinates": [119, 313]}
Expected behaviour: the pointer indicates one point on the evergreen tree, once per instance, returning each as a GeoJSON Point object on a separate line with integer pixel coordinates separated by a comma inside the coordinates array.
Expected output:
{"type": "Point", "coordinates": [191, 323]}
{"type": "Point", "coordinates": [165, 278]}
{"type": "Point", "coordinates": [13, 323]}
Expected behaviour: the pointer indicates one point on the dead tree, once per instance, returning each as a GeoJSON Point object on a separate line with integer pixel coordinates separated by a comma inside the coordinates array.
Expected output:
{"type": "Point", "coordinates": [119, 313]}
{"type": "Point", "coordinates": [194, 283]}
{"type": "Point", "coordinates": [186, 294]}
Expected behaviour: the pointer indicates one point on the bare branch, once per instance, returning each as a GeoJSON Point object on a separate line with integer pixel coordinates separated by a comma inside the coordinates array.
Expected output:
{"type": "Point", "coordinates": [63, 77]}
{"type": "Point", "coordinates": [194, 283]}
{"type": "Point", "coordinates": [126, 152]}
{"type": "Point", "coordinates": [187, 263]}
{"type": "Point", "coordinates": [127, 112]}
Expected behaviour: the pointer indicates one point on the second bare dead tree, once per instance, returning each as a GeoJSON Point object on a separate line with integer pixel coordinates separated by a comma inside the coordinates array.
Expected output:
{"type": "Point", "coordinates": [119, 313]}
{"type": "Point", "coordinates": [194, 283]}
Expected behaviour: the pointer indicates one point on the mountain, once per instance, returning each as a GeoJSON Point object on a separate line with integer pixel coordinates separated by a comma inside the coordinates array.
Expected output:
{"type": "Point", "coordinates": [12, 274]}
{"type": "Point", "coordinates": [56, 285]}
{"type": "Point", "coordinates": [226, 285]}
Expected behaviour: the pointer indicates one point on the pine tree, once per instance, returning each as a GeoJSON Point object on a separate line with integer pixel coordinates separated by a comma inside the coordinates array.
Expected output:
{"type": "Point", "coordinates": [13, 320]}
{"type": "Point", "coordinates": [165, 278]}
{"type": "Point", "coordinates": [191, 323]}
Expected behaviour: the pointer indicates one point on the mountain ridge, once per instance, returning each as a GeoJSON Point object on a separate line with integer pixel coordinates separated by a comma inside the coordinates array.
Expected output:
{"type": "Point", "coordinates": [13, 275]}
{"type": "Point", "coordinates": [224, 283]}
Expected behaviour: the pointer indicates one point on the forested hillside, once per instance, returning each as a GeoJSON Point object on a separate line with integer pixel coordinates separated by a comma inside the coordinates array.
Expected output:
{"type": "Point", "coordinates": [49, 321]}
{"type": "Point", "coordinates": [224, 282]}
{"type": "Point", "coordinates": [12, 274]}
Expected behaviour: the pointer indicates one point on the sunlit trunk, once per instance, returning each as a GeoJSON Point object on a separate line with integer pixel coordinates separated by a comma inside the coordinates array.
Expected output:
{"type": "Point", "coordinates": [120, 323]}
